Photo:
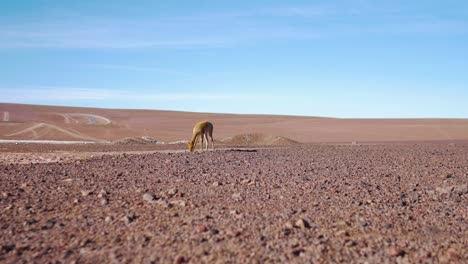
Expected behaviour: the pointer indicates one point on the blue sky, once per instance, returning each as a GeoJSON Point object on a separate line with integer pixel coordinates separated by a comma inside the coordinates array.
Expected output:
{"type": "Point", "coordinates": [348, 58]}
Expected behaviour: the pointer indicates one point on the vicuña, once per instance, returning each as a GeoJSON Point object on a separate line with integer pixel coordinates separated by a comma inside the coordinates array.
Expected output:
{"type": "Point", "coordinates": [203, 129]}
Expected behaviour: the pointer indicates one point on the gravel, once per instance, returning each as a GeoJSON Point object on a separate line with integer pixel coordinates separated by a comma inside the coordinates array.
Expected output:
{"type": "Point", "coordinates": [301, 204]}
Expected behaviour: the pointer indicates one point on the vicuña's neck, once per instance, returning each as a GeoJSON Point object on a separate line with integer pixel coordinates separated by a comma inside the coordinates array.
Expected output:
{"type": "Point", "coordinates": [194, 136]}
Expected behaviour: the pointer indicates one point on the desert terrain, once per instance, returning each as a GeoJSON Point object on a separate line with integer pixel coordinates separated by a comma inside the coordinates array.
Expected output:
{"type": "Point", "coordinates": [37, 122]}
{"type": "Point", "coordinates": [118, 186]}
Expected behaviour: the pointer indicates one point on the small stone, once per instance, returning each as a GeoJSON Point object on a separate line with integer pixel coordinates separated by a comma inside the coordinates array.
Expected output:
{"type": "Point", "coordinates": [234, 233]}
{"type": "Point", "coordinates": [128, 218]}
{"type": "Point", "coordinates": [85, 193]}
{"type": "Point", "coordinates": [67, 180]}
{"type": "Point", "coordinates": [172, 192]}
{"type": "Point", "coordinates": [396, 252]}
{"type": "Point", "coordinates": [102, 193]}
{"type": "Point", "coordinates": [289, 225]}
{"type": "Point", "coordinates": [202, 228]}
{"type": "Point", "coordinates": [301, 223]}
{"type": "Point", "coordinates": [214, 231]}
{"type": "Point", "coordinates": [149, 197]}
{"type": "Point", "coordinates": [342, 233]}
{"type": "Point", "coordinates": [7, 248]}
{"type": "Point", "coordinates": [461, 189]}
{"type": "Point", "coordinates": [49, 224]}
{"type": "Point", "coordinates": [237, 197]}
{"type": "Point", "coordinates": [179, 203]}
{"type": "Point", "coordinates": [104, 202]}
{"type": "Point", "coordinates": [163, 204]}
{"type": "Point", "coordinates": [179, 259]}
{"type": "Point", "coordinates": [298, 252]}
{"type": "Point", "coordinates": [216, 184]}
{"type": "Point", "coordinates": [108, 219]}
{"type": "Point", "coordinates": [76, 200]}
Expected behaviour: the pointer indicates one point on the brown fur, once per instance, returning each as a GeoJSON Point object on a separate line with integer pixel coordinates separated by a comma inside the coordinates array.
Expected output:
{"type": "Point", "coordinates": [203, 129]}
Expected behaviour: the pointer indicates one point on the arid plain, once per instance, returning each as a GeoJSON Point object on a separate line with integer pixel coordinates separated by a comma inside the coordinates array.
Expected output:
{"type": "Point", "coordinates": [121, 187]}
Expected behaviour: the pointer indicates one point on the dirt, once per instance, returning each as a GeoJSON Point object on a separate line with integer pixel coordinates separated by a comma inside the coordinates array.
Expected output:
{"type": "Point", "coordinates": [42, 122]}
{"type": "Point", "coordinates": [297, 204]}
{"type": "Point", "coordinates": [258, 139]}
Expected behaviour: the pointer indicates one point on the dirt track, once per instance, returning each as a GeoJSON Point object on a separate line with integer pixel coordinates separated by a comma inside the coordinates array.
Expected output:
{"type": "Point", "coordinates": [298, 204]}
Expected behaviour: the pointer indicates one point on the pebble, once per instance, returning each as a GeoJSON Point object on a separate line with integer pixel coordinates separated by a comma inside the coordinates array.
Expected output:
{"type": "Point", "coordinates": [301, 223]}
{"type": "Point", "coordinates": [102, 193]}
{"type": "Point", "coordinates": [234, 233]}
{"type": "Point", "coordinates": [342, 233]}
{"type": "Point", "coordinates": [202, 228]}
{"type": "Point", "coordinates": [128, 218]}
{"type": "Point", "coordinates": [149, 197]}
{"type": "Point", "coordinates": [237, 197]}
{"type": "Point", "coordinates": [396, 252]}
{"type": "Point", "coordinates": [233, 212]}
{"type": "Point", "coordinates": [179, 259]}
{"type": "Point", "coordinates": [179, 203]}
{"type": "Point", "coordinates": [85, 193]}
{"type": "Point", "coordinates": [172, 192]}
{"type": "Point", "coordinates": [163, 203]}
{"type": "Point", "coordinates": [104, 202]}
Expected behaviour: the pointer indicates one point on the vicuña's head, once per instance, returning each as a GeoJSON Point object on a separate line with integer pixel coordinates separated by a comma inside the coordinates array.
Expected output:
{"type": "Point", "coordinates": [190, 146]}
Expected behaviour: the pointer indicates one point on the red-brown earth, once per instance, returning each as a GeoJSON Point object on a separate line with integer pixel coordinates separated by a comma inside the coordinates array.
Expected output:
{"type": "Point", "coordinates": [262, 196]}
{"type": "Point", "coordinates": [38, 122]}
{"type": "Point", "coordinates": [294, 204]}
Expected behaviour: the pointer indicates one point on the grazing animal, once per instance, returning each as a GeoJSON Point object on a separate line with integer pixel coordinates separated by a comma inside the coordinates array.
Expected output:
{"type": "Point", "coordinates": [202, 129]}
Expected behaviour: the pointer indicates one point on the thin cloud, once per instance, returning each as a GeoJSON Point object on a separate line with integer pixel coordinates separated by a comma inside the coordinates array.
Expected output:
{"type": "Point", "coordinates": [37, 93]}
{"type": "Point", "coordinates": [138, 69]}
{"type": "Point", "coordinates": [217, 30]}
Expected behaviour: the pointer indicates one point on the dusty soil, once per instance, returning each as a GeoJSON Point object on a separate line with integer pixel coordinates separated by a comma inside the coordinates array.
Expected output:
{"type": "Point", "coordinates": [42, 122]}
{"type": "Point", "coordinates": [258, 139]}
{"type": "Point", "coordinates": [297, 204]}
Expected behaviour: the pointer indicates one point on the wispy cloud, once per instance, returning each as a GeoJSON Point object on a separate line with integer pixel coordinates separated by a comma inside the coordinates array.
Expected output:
{"type": "Point", "coordinates": [119, 67]}
{"type": "Point", "coordinates": [222, 29]}
{"type": "Point", "coordinates": [53, 93]}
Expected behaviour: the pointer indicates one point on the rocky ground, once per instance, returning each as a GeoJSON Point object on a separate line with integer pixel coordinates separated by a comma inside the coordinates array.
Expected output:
{"type": "Point", "coordinates": [298, 204]}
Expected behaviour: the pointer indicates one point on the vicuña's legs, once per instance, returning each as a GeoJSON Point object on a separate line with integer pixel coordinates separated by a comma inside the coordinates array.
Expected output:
{"type": "Point", "coordinates": [201, 143]}
{"type": "Point", "coordinates": [207, 141]}
{"type": "Point", "coordinates": [212, 143]}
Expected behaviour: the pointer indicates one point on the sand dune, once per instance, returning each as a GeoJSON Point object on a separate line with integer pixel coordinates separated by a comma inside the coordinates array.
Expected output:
{"type": "Point", "coordinates": [74, 123]}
